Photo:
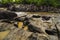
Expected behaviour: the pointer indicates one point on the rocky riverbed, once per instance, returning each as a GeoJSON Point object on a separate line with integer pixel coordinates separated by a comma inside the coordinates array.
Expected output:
{"type": "Point", "coordinates": [30, 8]}
{"type": "Point", "coordinates": [29, 26]}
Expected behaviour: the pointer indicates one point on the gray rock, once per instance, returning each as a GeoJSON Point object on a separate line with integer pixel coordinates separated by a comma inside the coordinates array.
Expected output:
{"type": "Point", "coordinates": [6, 26]}
{"type": "Point", "coordinates": [52, 37]}
{"type": "Point", "coordinates": [7, 15]}
{"type": "Point", "coordinates": [38, 24]}
{"type": "Point", "coordinates": [37, 36]}
{"type": "Point", "coordinates": [18, 34]}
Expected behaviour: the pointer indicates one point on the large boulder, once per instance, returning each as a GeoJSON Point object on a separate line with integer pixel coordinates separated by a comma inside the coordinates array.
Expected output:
{"type": "Point", "coordinates": [6, 26]}
{"type": "Point", "coordinates": [40, 25]}
{"type": "Point", "coordinates": [7, 15]}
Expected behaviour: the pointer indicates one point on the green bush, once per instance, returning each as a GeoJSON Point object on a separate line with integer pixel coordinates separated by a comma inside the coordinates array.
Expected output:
{"type": "Point", "coordinates": [36, 2]}
{"type": "Point", "coordinates": [58, 3]}
{"type": "Point", "coordinates": [29, 1]}
{"type": "Point", "coordinates": [39, 2]}
{"type": "Point", "coordinates": [4, 1]}
{"type": "Point", "coordinates": [16, 1]}
{"type": "Point", "coordinates": [11, 1]}
{"type": "Point", "coordinates": [54, 3]}
{"type": "Point", "coordinates": [19, 1]}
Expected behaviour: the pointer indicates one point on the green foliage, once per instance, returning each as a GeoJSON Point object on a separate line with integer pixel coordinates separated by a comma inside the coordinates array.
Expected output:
{"type": "Point", "coordinates": [36, 2]}
{"type": "Point", "coordinates": [39, 2]}
{"type": "Point", "coordinates": [4, 1]}
{"type": "Point", "coordinates": [29, 1]}
{"type": "Point", "coordinates": [54, 3]}
{"type": "Point", "coordinates": [19, 1]}
{"type": "Point", "coordinates": [57, 3]}
{"type": "Point", "coordinates": [11, 1]}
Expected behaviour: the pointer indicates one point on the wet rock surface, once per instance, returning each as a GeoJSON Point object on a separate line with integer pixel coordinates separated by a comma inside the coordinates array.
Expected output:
{"type": "Point", "coordinates": [40, 27]}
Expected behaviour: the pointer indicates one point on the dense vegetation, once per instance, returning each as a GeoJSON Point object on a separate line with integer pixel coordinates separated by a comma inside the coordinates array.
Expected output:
{"type": "Point", "coordinates": [54, 3]}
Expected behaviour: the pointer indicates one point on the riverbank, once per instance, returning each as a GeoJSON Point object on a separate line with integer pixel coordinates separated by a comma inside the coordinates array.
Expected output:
{"type": "Point", "coordinates": [30, 8]}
